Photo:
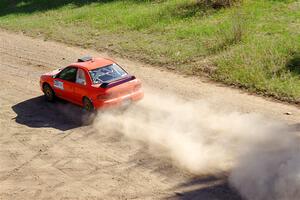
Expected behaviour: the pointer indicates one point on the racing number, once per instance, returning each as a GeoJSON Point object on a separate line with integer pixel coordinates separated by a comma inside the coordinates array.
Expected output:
{"type": "Point", "coordinates": [59, 84]}
{"type": "Point", "coordinates": [64, 83]}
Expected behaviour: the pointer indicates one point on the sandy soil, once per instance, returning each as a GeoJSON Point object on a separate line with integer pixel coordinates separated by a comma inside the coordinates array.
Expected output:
{"type": "Point", "coordinates": [46, 152]}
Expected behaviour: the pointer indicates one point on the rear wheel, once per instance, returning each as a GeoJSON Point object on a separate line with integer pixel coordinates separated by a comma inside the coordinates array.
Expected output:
{"type": "Point", "coordinates": [88, 105]}
{"type": "Point", "coordinates": [49, 93]}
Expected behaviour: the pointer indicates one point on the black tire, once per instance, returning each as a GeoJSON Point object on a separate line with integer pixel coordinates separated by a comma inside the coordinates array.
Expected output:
{"type": "Point", "coordinates": [48, 92]}
{"type": "Point", "coordinates": [88, 105]}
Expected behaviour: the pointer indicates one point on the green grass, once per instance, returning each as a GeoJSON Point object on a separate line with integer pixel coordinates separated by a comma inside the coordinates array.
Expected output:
{"type": "Point", "coordinates": [255, 45]}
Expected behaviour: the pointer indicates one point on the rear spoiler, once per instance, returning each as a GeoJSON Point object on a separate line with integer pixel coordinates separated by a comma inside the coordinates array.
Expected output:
{"type": "Point", "coordinates": [117, 82]}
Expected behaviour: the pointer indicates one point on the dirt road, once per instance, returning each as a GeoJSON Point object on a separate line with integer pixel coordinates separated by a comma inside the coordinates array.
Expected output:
{"type": "Point", "coordinates": [46, 152]}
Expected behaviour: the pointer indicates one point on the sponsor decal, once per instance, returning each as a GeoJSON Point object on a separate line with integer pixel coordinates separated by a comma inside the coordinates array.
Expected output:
{"type": "Point", "coordinates": [59, 84]}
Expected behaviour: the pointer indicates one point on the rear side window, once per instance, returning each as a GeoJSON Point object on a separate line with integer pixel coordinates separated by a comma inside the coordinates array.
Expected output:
{"type": "Point", "coordinates": [68, 74]}
{"type": "Point", "coordinates": [80, 77]}
{"type": "Point", "coordinates": [107, 74]}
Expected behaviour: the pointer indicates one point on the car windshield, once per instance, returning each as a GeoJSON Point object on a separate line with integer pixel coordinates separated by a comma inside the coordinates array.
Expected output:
{"type": "Point", "coordinates": [107, 74]}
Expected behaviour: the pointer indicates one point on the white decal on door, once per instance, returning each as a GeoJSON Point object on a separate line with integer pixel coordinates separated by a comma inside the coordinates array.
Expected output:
{"type": "Point", "coordinates": [59, 84]}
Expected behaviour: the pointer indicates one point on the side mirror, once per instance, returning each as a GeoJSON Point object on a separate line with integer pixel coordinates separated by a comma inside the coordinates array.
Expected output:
{"type": "Point", "coordinates": [55, 76]}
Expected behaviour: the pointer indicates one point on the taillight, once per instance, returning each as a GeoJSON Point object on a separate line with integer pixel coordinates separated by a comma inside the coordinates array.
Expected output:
{"type": "Point", "coordinates": [106, 96]}
{"type": "Point", "coordinates": [137, 87]}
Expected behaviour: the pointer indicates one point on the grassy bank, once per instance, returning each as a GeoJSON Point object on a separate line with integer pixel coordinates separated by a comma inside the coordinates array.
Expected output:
{"type": "Point", "coordinates": [255, 45]}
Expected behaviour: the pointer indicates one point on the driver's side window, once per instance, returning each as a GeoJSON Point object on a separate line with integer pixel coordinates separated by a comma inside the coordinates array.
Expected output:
{"type": "Point", "coordinates": [68, 74]}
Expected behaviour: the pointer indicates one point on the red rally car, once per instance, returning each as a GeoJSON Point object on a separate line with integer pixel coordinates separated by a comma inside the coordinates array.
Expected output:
{"type": "Point", "coordinates": [92, 83]}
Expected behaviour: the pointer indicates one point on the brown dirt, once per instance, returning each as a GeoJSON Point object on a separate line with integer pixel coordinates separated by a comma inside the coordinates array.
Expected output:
{"type": "Point", "coordinates": [46, 152]}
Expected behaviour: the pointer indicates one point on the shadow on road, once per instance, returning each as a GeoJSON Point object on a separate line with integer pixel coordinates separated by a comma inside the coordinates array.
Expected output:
{"type": "Point", "coordinates": [204, 188]}
{"type": "Point", "coordinates": [38, 113]}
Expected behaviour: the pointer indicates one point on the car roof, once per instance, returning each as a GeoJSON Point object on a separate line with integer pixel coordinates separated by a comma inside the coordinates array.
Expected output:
{"type": "Point", "coordinates": [94, 63]}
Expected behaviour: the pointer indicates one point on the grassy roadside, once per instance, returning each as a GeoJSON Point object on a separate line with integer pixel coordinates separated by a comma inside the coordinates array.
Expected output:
{"type": "Point", "coordinates": [255, 45]}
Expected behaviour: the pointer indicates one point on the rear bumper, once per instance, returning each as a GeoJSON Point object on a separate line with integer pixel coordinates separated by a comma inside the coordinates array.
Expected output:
{"type": "Point", "coordinates": [117, 102]}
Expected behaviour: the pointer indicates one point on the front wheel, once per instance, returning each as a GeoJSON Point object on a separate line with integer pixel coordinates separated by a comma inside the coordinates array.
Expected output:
{"type": "Point", "coordinates": [88, 105]}
{"type": "Point", "coordinates": [49, 93]}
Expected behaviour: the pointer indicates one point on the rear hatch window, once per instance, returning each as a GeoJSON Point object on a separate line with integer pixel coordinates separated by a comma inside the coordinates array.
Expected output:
{"type": "Point", "coordinates": [107, 74]}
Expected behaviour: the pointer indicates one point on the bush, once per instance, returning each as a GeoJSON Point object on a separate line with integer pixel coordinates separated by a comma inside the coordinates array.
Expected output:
{"type": "Point", "coordinates": [229, 33]}
{"type": "Point", "coordinates": [218, 3]}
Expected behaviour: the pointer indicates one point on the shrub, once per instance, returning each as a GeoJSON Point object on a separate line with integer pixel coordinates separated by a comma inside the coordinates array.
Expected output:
{"type": "Point", "coordinates": [218, 3]}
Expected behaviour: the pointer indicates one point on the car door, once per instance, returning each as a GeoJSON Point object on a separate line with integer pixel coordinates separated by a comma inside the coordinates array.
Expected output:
{"type": "Point", "coordinates": [64, 83]}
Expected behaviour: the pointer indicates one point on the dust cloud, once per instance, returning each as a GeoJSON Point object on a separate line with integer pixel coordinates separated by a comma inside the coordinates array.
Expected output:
{"type": "Point", "coordinates": [269, 168]}
{"type": "Point", "coordinates": [261, 155]}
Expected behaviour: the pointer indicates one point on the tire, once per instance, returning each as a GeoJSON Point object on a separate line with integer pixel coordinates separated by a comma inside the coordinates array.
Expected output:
{"type": "Point", "coordinates": [48, 92]}
{"type": "Point", "coordinates": [88, 105]}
